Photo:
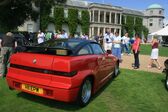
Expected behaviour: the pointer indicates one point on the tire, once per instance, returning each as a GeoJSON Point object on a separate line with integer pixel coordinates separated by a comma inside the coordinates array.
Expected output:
{"type": "Point", "coordinates": [116, 70]}
{"type": "Point", "coordinates": [166, 82]}
{"type": "Point", "coordinates": [85, 92]}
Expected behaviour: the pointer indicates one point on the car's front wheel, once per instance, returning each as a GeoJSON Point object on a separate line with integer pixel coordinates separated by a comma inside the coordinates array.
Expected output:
{"type": "Point", "coordinates": [85, 92]}
{"type": "Point", "coordinates": [116, 70]}
{"type": "Point", "coordinates": [166, 82]}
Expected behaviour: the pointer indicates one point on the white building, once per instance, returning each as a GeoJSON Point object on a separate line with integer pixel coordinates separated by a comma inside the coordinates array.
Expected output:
{"type": "Point", "coordinates": [104, 16]}
{"type": "Point", "coordinates": [153, 17]}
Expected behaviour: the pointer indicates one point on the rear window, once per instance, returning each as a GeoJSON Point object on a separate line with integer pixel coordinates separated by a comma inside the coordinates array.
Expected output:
{"type": "Point", "coordinates": [61, 47]}
{"type": "Point", "coordinates": [62, 43]}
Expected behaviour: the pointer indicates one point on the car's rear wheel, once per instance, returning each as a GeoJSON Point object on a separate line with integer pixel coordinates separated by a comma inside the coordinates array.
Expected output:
{"type": "Point", "coordinates": [85, 92]}
{"type": "Point", "coordinates": [166, 82]}
{"type": "Point", "coordinates": [116, 70]}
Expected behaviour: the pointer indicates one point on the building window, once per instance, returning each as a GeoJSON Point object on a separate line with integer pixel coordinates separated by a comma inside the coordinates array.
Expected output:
{"type": "Point", "coordinates": [151, 12]}
{"type": "Point", "coordinates": [118, 18]}
{"type": "Point", "coordinates": [95, 31]}
{"type": "Point", "coordinates": [151, 20]}
{"type": "Point", "coordinates": [160, 23]}
{"type": "Point", "coordinates": [91, 16]}
{"type": "Point", "coordinates": [118, 30]}
{"type": "Point", "coordinates": [112, 30]}
{"type": "Point", "coordinates": [96, 16]}
{"type": "Point", "coordinates": [30, 27]}
{"type": "Point", "coordinates": [52, 12]}
{"type": "Point", "coordinates": [112, 17]}
{"type": "Point", "coordinates": [79, 14]}
{"type": "Point", "coordinates": [66, 13]}
{"type": "Point", "coordinates": [101, 31]}
{"type": "Point", "coordinates": [101, 16]}
{"type": "Point", "coordinates": [107, 17]}
{"type": "Point", "coordinates": [160, 12]}
{"type": "Point", "coordinates": [150, 24]}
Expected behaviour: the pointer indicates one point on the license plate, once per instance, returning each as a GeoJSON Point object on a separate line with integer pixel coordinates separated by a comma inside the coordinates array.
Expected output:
{"type": "Point", "coordinates": [32, 89]}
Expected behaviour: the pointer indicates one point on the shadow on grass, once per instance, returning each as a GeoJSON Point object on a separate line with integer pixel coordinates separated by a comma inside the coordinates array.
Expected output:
{"type": "Point", "coordinates": [49, 102]}
{"type": "Point", "coordinates": [58, 104]}
{"type": "Point", "coordinates": [103, 88]}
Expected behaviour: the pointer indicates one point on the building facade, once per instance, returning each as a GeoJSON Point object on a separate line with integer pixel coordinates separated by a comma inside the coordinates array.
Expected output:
{"type": "Point", "coordinates": [154, 17]}
{"type": "Point", "coordinates": [103, 16]}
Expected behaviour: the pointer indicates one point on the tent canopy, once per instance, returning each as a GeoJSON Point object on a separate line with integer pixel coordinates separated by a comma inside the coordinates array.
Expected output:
{"type": "Point", "coordinates": [162, 32]}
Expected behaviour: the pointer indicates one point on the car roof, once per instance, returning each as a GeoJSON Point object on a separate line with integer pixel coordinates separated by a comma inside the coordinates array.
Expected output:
{"type": "Point", "coordinates": [73, 45]}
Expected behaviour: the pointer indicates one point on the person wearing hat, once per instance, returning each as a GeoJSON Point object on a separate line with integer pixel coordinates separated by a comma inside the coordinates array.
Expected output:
{"type": "Point", "coordinates": [7, 45]}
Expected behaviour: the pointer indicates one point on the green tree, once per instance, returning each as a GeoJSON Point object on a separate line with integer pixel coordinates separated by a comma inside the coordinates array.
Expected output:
{"type": "Point", "coordinates": [58, 17]}
{"type": "Point", "coordinates": [85, 21]}
{"type": "Point", "coordinates": [72, 20]}
{"type": "Point", "coordinates": [15, 12]}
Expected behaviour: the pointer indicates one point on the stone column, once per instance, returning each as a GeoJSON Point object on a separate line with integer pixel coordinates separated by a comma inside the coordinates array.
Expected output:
{"type": "Point", "coordinates": [98, 16]}
{"type": "Point", "coordinates": [93, 15]}
{"type": "Point", "coordinates": [115, 30]}
{"type": "Point", "coordinates": [120, 18]}
{"type": "Point", "coordinates": [98, 31]}
{"type": "Point", "coordinates": [92, 31]}
{"type": "Point", "coordinates": [90, 14]}
{"type": "Point", "coordinates": [115, 18]}
{"type": "Point", "coordinates": [104, 30]}
{"type": "Point", "coordinates": [120, 32]}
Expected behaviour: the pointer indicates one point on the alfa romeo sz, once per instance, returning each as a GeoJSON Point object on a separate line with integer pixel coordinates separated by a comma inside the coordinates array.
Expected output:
{"type": "Point", "coordinates": [64, 69]}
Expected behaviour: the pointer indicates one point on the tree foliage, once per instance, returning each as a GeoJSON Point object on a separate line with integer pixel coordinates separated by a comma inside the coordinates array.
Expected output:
{"type": "Point", "coordinates": [133, 25]}
{"type": "Point", "coordinates": [72, 20]}
{"type": "Point", "coordinates": [145, 31]}
{"type": "Point", "coordinates": [58, 17]}
{"type": "Point", "coordinates": [15, 12]}
{"type": "Point", "coordinates": [85, 21]}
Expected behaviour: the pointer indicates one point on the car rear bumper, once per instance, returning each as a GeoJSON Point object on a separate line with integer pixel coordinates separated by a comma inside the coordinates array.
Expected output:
{"type": "Point", "coordinates": [49, 91]}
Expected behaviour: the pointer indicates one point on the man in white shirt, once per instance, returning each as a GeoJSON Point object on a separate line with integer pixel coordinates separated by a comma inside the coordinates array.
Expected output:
{"type": "Point", "coordinates": [64, 34]}
{"type": "Point", "coordinates": [108, 41]}
{"type": "Point", "coordinates": [125, 43]}
{"type": "Point", "coordinates": [116, 50]}
{"type": "Point", "coordinates": [40, 37]}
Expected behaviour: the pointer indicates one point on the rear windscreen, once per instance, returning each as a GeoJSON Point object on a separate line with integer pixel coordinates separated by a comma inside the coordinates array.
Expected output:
{"type": "Point", "coordinates": [54, 47]}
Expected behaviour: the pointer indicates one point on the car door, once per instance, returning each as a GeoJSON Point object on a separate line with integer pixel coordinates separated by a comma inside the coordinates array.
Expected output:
{"type": "Point", "coordinates": [101, 62]}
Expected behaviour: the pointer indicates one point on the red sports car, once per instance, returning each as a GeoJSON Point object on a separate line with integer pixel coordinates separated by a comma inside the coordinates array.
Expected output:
{"type": "Point", "coordinates": [64, 69]}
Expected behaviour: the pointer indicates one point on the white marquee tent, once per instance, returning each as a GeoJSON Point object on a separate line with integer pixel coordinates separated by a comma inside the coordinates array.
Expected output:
{"type": "Point", "coordinates": [162, 32]}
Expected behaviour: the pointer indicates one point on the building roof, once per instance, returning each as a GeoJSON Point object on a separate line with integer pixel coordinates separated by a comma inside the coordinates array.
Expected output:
{"type": "Point", "coordinates": [105, 6]}
{"type": "Point", "coordinates": [78, 3]}
{"type": "Point", "coordinates": [133, 12]}
{"type": "Point", "coordinates": [155, 6]}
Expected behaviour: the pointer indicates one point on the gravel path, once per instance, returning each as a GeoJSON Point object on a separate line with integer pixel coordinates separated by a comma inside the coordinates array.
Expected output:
{"type": "Point", "coordinates": [144, 61]}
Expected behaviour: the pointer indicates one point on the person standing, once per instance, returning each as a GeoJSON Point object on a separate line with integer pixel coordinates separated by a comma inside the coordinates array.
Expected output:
{"type": "Point", "coordinates": [7, 45]}
{"type": "Point", "coordinates": [136, 50]}
{"type": "Point", "coordinates": [40, 37]}
{"type": "Point", "coordinates": [127, 44]}
{"type": "Point", "coordinates": [116, 49]}
{"type": "Point", "coordinates": [64, 34]}
{"type": "Point", "coordinates": [154, 53]}
{"type": "Point", "coordinates": [108, 41]}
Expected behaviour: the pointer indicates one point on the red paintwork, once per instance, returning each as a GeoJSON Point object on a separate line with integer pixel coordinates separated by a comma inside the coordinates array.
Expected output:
{"type": "Point", "coordinates": [62, 88]}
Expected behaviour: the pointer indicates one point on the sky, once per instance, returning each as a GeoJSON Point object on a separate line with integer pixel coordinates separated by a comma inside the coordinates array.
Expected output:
{"type": "Point", "coordinates": [136, 4]}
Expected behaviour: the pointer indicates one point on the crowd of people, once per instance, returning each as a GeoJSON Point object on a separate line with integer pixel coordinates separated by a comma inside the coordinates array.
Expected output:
{"type": "Point", "coordinates": [111, 42]}
{"type": "Point", "coordinates": [117, 45]}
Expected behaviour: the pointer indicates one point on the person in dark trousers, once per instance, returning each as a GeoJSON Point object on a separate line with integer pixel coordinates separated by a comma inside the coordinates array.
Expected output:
{"type": "Point", "coordinates": [7, 45]}
{"type": "Point", "coordinates": [136, 50]}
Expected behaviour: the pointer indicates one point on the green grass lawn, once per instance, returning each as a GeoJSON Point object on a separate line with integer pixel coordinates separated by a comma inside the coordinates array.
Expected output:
{"type": "Point", "coordinates": [131, 91]}
{"type": "Point", "coordinates": [146, 50]}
